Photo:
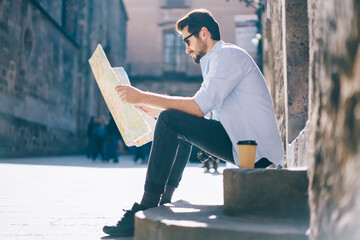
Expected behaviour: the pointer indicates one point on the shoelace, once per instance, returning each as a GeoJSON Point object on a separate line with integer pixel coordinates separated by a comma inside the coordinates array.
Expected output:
{"type": "Point", "coordinates": [126, 215]}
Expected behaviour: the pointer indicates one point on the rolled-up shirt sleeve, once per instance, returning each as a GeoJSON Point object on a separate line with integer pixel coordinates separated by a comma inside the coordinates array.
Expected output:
{"type": "Point", "coordinates": [218, 82]}
{"type": "Point", "coordinates": [201, 98]}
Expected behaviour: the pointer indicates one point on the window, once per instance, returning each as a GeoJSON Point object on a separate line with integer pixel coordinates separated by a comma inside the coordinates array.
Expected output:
{"type": "Point", "coordinates": [175, 4]}
{"type": "Point", "coordinates": [69, 17]}
{"type": "Point", "coordinates": [174, 53]}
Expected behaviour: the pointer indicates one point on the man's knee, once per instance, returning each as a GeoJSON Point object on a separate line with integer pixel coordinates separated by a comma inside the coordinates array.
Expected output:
{"type": "Point", "coordinates": [175, 119]}
{"type": "Point", "coordinates": [169, 115]}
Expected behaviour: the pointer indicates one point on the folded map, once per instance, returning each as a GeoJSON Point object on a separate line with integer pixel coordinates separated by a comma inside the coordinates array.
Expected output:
{"type": "Point", "coordinates": [136, 126]}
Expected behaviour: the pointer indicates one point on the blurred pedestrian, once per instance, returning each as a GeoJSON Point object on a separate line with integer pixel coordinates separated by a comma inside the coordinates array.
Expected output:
{"type": "Point", "coordinates": [142, 153]}
{"type": "Point", "coordinates": [91, 141]}
{"type": "Point", "coordinates": [208, 161]}
{"type": "Point", "coordinates": [100, 134]}
{"type": "Point", "coordinates": [111, 145]}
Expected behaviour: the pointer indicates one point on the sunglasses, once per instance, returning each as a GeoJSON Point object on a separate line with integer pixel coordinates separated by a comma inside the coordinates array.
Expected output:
{"type": "Point", "coordinates": [186, 41]}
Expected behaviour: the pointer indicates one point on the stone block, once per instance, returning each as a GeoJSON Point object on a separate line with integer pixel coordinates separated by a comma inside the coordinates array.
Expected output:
{"type": "Point", "coordinates": [266, 192]}
{"type": "Point", "coordinates": [183, 220]}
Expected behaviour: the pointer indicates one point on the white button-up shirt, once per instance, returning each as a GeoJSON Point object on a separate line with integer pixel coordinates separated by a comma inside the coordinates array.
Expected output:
{"type": "Point", "coordinates": [235, 91]}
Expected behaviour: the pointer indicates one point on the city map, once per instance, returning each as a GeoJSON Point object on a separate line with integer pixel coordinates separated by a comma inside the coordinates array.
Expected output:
{"type": "Point", "coordinates": [136, 126]}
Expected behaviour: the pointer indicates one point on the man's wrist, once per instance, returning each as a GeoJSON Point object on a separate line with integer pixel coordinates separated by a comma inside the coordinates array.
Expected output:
{"type": "Point", "coordinates": [144, 98]}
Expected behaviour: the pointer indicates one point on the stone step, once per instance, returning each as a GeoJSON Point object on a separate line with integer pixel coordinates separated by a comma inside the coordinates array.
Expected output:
{"type": "Point", "coordinates": [182, 220]}
{"type": "Point", "coordinates": [266, 192]}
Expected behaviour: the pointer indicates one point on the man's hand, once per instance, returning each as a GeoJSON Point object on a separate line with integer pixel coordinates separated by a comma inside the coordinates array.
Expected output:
{"type": "Point", "coordinates": [133, 95]}
{"type": "Point", "coordinates": [129, 94]}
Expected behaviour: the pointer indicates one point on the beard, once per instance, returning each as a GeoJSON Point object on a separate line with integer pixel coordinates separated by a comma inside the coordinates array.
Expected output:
{"type": "Point", "coordinates": [200, 54]}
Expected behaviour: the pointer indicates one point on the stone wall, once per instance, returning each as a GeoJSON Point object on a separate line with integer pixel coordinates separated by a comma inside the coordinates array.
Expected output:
{"type": "Point", "coordinates": [334, 129]}
{"type": "Point", "coordinates": [47, 92]}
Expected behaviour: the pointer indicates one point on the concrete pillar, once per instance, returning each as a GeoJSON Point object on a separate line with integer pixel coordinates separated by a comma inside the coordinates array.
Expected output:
{"type": "Point", "coordinates": [286, 64]}
{"type": "Point", "coordinates": [297, 70]}
{"type": "Point", "coordinates": [297, 64]}
{"type": "Point", "coordinates": [273, 60]}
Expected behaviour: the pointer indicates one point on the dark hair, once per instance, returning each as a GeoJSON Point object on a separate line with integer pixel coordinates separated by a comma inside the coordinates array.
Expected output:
{"type": "Point", "coordinates": [196, 19]}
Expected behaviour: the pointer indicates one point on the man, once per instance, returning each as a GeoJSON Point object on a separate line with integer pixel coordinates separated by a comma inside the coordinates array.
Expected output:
{"type": "Point", "coordinates": [233, 92]}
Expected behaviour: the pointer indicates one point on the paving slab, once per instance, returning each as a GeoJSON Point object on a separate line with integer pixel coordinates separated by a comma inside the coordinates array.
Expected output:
{"type": "Point", "coordinates": [73, 197]}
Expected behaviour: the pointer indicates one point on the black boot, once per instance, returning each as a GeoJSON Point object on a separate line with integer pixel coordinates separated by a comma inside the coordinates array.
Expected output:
{"type": "Point", "coordinates": [125, 227]}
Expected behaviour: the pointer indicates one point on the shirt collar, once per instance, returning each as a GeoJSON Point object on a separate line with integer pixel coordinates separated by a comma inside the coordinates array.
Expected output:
{"type": "Point", "coordinates": [214, 49]}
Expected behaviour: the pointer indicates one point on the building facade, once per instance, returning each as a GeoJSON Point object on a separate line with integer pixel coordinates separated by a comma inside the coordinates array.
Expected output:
{"type": "Point", "coordinates": [47, 91]}
{"type": "Point", "coordinates": [155, 50]}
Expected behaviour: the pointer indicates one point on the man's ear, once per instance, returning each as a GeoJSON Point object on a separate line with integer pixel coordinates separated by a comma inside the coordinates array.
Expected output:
{"type": "Point", "coordinates": [204, 33]}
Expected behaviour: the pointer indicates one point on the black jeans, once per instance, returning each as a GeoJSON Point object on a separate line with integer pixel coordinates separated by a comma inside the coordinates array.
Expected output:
{"type": "Point", "coordinates": [175, 133]}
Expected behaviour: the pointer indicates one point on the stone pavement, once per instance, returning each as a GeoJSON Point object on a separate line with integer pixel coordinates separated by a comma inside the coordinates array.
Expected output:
{"type": "Point", "coordinates": [71, 197]}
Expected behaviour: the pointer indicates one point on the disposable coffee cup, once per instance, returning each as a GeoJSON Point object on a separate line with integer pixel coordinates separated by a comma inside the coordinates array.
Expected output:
{"type": "Point", "coordinates": [247, 152]}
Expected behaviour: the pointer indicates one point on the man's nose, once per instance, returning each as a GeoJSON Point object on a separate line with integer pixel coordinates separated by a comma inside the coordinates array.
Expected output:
{"type": "Point", "coordinates": [187, 49]}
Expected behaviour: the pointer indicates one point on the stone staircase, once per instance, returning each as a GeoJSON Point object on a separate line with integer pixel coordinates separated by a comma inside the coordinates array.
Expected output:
{"type": "Point", "coordinates": [267, 204]}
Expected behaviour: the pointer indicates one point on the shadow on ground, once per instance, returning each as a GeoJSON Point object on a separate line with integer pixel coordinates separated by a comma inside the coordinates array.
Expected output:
{"type": "Point", "coordinates": [125, 161]}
